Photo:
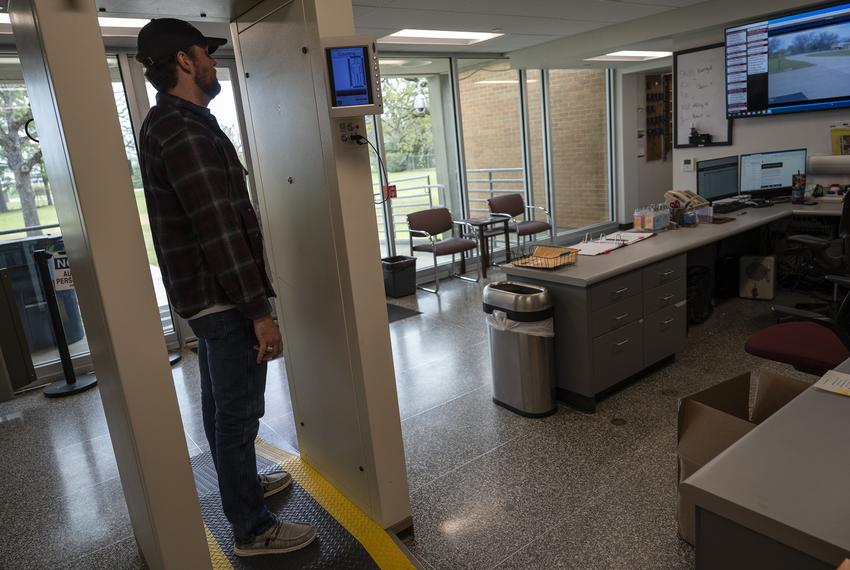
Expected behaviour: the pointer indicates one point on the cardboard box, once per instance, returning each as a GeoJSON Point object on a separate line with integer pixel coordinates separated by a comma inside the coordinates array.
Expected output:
{"type": "Point", "coordinates": [715, 418]}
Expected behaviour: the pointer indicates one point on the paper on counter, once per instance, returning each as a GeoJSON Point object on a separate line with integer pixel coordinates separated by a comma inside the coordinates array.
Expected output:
{"type": "Point", "coordinates": [595, 247]}
{"type": "Point", "coordinates": [628, 238]}
{"type": "Point", "coordinates": [834, 381]}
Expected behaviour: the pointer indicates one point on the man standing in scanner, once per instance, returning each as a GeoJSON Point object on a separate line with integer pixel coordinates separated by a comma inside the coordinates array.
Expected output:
{"type": "Point", "coordinates": [210, 251]}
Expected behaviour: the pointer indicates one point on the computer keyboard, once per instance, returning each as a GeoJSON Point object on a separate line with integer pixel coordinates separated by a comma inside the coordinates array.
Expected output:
{"type": "Point", "coordinates": [728, 207]}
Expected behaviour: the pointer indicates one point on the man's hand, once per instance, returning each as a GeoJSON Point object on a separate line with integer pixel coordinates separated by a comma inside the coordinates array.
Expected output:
{"type": "Point", "coordinates": [269, 342]}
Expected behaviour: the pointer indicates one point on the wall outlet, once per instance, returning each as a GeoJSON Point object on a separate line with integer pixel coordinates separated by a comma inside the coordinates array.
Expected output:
{"type": "Point", "coordinates": [348, 129]}
{"type": "Point", "coordinates": [688, 164]}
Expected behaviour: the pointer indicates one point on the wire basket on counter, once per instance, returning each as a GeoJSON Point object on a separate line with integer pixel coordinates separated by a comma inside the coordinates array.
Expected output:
{"type": "Point", "coordinates": [546, 257]}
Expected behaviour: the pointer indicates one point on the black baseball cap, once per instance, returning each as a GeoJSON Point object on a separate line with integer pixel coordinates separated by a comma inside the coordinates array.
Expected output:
{"type": "Point", "coordinates": [162, 37]}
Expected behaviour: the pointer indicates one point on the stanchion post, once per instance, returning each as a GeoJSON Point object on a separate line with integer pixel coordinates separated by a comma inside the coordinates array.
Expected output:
{"type": "Point", "coordinates": [71, 384]}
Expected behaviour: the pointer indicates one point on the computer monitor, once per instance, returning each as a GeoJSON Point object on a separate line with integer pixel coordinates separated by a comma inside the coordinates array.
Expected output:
{"type": "Point", "coordinates": [717, 178]}
{"type": "Point", "coordinates": [766, 174]}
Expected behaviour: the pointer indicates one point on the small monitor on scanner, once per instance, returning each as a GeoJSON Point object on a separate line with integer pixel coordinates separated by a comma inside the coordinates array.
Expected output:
{"type": "Point", "coordinates": [768, 174]}
{"type": "Point", "coordinates": [354, 81]}
{"type": "Point", "coordinates": [717, 178]}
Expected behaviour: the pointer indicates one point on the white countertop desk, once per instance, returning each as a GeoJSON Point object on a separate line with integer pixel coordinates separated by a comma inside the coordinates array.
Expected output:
{"type": "Point", "coordinates": [592, 269]}
{"type": "Point", "coordinates": [786, 484]}
{"type": "Point", "coordinates": [619, 313]}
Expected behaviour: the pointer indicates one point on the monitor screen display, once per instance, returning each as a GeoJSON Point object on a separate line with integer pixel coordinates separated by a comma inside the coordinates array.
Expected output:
{"type": "Point", "coordinates": [793, 63]}
{"type": "Point", "coordinates": [771, 171]}
{"type": "Point", "coordinates": [717, 178]}
{"type": "Point", "coordinates": [348, 69]}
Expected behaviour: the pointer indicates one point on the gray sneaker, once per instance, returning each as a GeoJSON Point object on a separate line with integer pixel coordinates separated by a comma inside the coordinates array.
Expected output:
{"type": "Point", "coordinates": [275, 482]}
{"type": "Point", "coordinates": [282, 537]}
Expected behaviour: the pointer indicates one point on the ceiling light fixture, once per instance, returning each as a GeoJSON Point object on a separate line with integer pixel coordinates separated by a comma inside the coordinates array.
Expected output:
{"type": "Point", "coordinates": [437, 37]}
{"type": "Point", "coordinates": [105, 22]}
{"type": "Point", "coordinates": [137, 23]}
{"type": "Point", "coordinates": [631, 55]}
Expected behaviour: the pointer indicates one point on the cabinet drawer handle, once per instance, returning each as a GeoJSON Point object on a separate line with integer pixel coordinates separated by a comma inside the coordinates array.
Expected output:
{"type": "Point", "coordinates": [622, 343]}
{"type": "Point", "coordinates": [668, 321]}
{"type": "Point", "coordinates": [667, 274]}
{"type": "Point", "coordinates": [621, 317]}
{"type": "Point", "coordinates": [621, 291]}
{"type": "Point", "coordinates": [666, 298]}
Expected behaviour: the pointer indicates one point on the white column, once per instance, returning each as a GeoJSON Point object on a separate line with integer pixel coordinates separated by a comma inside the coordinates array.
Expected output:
{"type": "Point", "coordinates": [322, 241]}
{"type": "Point", "coordinates": [69, 88]}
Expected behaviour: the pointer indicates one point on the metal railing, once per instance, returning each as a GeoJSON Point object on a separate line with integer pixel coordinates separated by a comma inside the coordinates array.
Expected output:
{"type": "Point", "coordinates": [411, 199]}
{"type": "Point", "coordinates": [28, 229]}
{"type": "Point", "coordinates": [492, 185]}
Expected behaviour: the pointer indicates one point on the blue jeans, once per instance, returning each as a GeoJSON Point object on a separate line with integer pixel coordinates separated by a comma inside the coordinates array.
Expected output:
{"type": "Point", "coordinates": [233, 400]}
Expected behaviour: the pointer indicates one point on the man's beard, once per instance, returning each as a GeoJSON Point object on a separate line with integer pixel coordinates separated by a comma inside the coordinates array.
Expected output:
{"type": "Point", "coordinates": [211, 87]}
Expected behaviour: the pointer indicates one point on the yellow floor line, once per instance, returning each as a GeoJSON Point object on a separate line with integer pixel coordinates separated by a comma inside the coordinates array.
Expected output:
{"type": "Point", "coordinates": [374, 539]}
{"type": "Point", "coordinates": [217, 556]}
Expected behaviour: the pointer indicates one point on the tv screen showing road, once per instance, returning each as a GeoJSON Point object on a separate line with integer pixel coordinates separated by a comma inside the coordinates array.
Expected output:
{"type": "Point", "coordinates": [789, 64]}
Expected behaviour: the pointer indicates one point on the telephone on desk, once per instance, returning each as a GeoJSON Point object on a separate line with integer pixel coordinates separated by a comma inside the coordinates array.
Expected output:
{"type": "Point", "coordinates": [688, 199]}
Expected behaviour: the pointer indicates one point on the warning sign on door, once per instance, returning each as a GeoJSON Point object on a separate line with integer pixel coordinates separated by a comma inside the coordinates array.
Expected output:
{"type": "Point", "coordinates": [62, 280]}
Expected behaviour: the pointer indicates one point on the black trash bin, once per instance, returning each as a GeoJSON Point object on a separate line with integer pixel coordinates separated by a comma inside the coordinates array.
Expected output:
{"type": "Point", "coordinates": [399, 275]}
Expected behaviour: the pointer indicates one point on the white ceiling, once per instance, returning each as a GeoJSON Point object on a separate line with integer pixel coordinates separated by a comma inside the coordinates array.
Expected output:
{"type": "Point", "coordinates": [524, 24]}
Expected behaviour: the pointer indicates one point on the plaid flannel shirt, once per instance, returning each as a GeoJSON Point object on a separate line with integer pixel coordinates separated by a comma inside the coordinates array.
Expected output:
{"type": "Point", "coordinates": [205, 231]}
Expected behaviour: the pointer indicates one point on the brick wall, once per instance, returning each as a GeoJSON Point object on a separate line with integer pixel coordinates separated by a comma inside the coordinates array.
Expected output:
{"type": "Point", "coordinates": [492, 139]}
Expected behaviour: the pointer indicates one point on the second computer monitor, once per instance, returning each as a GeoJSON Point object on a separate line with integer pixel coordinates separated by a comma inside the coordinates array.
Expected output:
{"type": "Point", "coordinates": [717, 178]}
{"type": "Point", "coordinates": [767, 174]}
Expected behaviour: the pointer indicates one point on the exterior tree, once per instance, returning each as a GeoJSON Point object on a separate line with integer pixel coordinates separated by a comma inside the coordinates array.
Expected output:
{"type": "Point", "coordinates": [17, 151]}
{"type": "Point", "coordinates": [407, 129]}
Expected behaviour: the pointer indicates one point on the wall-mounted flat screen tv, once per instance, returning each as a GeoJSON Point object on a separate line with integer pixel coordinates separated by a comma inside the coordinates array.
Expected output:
{"type": "Point", "coordinates": [788, 64]}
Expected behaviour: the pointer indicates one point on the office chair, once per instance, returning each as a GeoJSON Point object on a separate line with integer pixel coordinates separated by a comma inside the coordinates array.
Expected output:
{"type": "Point", "coordinates": [431, 223]}
{"type": "Point", "coordinates": [812, 343]}
{"type": "Point", "coordinates": [826, 256]}
{"type": "Point", "coordinates": [511, 206]}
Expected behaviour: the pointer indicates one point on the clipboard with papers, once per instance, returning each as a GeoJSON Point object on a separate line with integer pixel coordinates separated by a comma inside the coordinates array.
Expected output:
{"type": "Point", "coordinates": [608, 243]}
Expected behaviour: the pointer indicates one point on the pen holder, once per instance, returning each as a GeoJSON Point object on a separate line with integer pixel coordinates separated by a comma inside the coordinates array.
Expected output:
{"type": "Point", "coordinates": [678, 215]}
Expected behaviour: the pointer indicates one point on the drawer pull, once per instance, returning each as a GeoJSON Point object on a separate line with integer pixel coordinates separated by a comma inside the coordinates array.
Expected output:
{"type": "Point", "coordinates": [666, 298]}
{"type": "Point", "coordinates": [621, 317]}
{"type": "Point", "coordinates": [668, 321]}
{"type": "Point", "coordinates": [667, 274]}
{"type": "Point", "coordinates": [622, 343]}
{"type": "Point", "coordinates": [621, 291]}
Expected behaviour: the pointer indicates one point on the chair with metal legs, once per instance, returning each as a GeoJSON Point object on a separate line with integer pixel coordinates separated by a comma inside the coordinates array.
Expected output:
{"type": "Point", "coordinates": [512, 205]}
{"type": "Point", "coordinates": [431, 224]}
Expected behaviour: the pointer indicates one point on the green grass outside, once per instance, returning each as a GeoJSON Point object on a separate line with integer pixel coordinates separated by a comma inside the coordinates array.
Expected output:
{"type": "Point", "coordinates": [780, 64]}
{"type": "Point", "coordinates": [47, 216]}
{"type": "Point", "coordinates": [831, 53]}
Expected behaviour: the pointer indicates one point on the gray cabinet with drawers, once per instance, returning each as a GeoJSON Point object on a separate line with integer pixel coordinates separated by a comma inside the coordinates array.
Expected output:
{"type": "Point", "coordinates": [609, 331]}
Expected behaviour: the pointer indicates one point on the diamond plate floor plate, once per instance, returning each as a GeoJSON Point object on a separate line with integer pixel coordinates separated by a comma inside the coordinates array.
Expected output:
{"type": "Point", "coordinates": [347, 537]}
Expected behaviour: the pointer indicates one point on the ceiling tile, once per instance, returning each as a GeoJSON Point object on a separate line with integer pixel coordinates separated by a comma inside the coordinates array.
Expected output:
{"type": "Point", "coordinates": [593, 10]}
{"type": "Point", "coordinates": [397, 19]}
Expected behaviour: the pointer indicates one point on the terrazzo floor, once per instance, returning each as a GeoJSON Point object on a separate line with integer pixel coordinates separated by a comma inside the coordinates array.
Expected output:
{"type": "Point", "coordinates": [489, 489]}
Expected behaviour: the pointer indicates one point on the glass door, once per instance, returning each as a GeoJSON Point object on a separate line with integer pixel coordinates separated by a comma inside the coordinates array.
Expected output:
{"type": "Point", "coordinates": [414, 133]}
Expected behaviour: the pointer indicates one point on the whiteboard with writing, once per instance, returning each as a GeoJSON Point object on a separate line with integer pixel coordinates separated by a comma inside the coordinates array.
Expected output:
{"type": "Point", "coordinates": [700, 95]}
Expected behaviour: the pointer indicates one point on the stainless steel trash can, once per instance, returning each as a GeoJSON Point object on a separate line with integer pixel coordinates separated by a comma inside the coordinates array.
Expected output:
{"type": "Point", "coordinates": [522, 343]}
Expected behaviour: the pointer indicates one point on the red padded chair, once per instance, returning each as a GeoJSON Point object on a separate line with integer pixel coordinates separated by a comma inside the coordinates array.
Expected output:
{"type": "Point", "coordinates": [513, 205]}
{"type": "Point", "coordinates": [812, 343]}
{"type": "Point", "coordinates": [430, 224]}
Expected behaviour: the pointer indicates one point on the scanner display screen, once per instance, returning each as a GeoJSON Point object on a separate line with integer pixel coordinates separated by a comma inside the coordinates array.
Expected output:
{"type": "Point", "coordinates": [348, 70]}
